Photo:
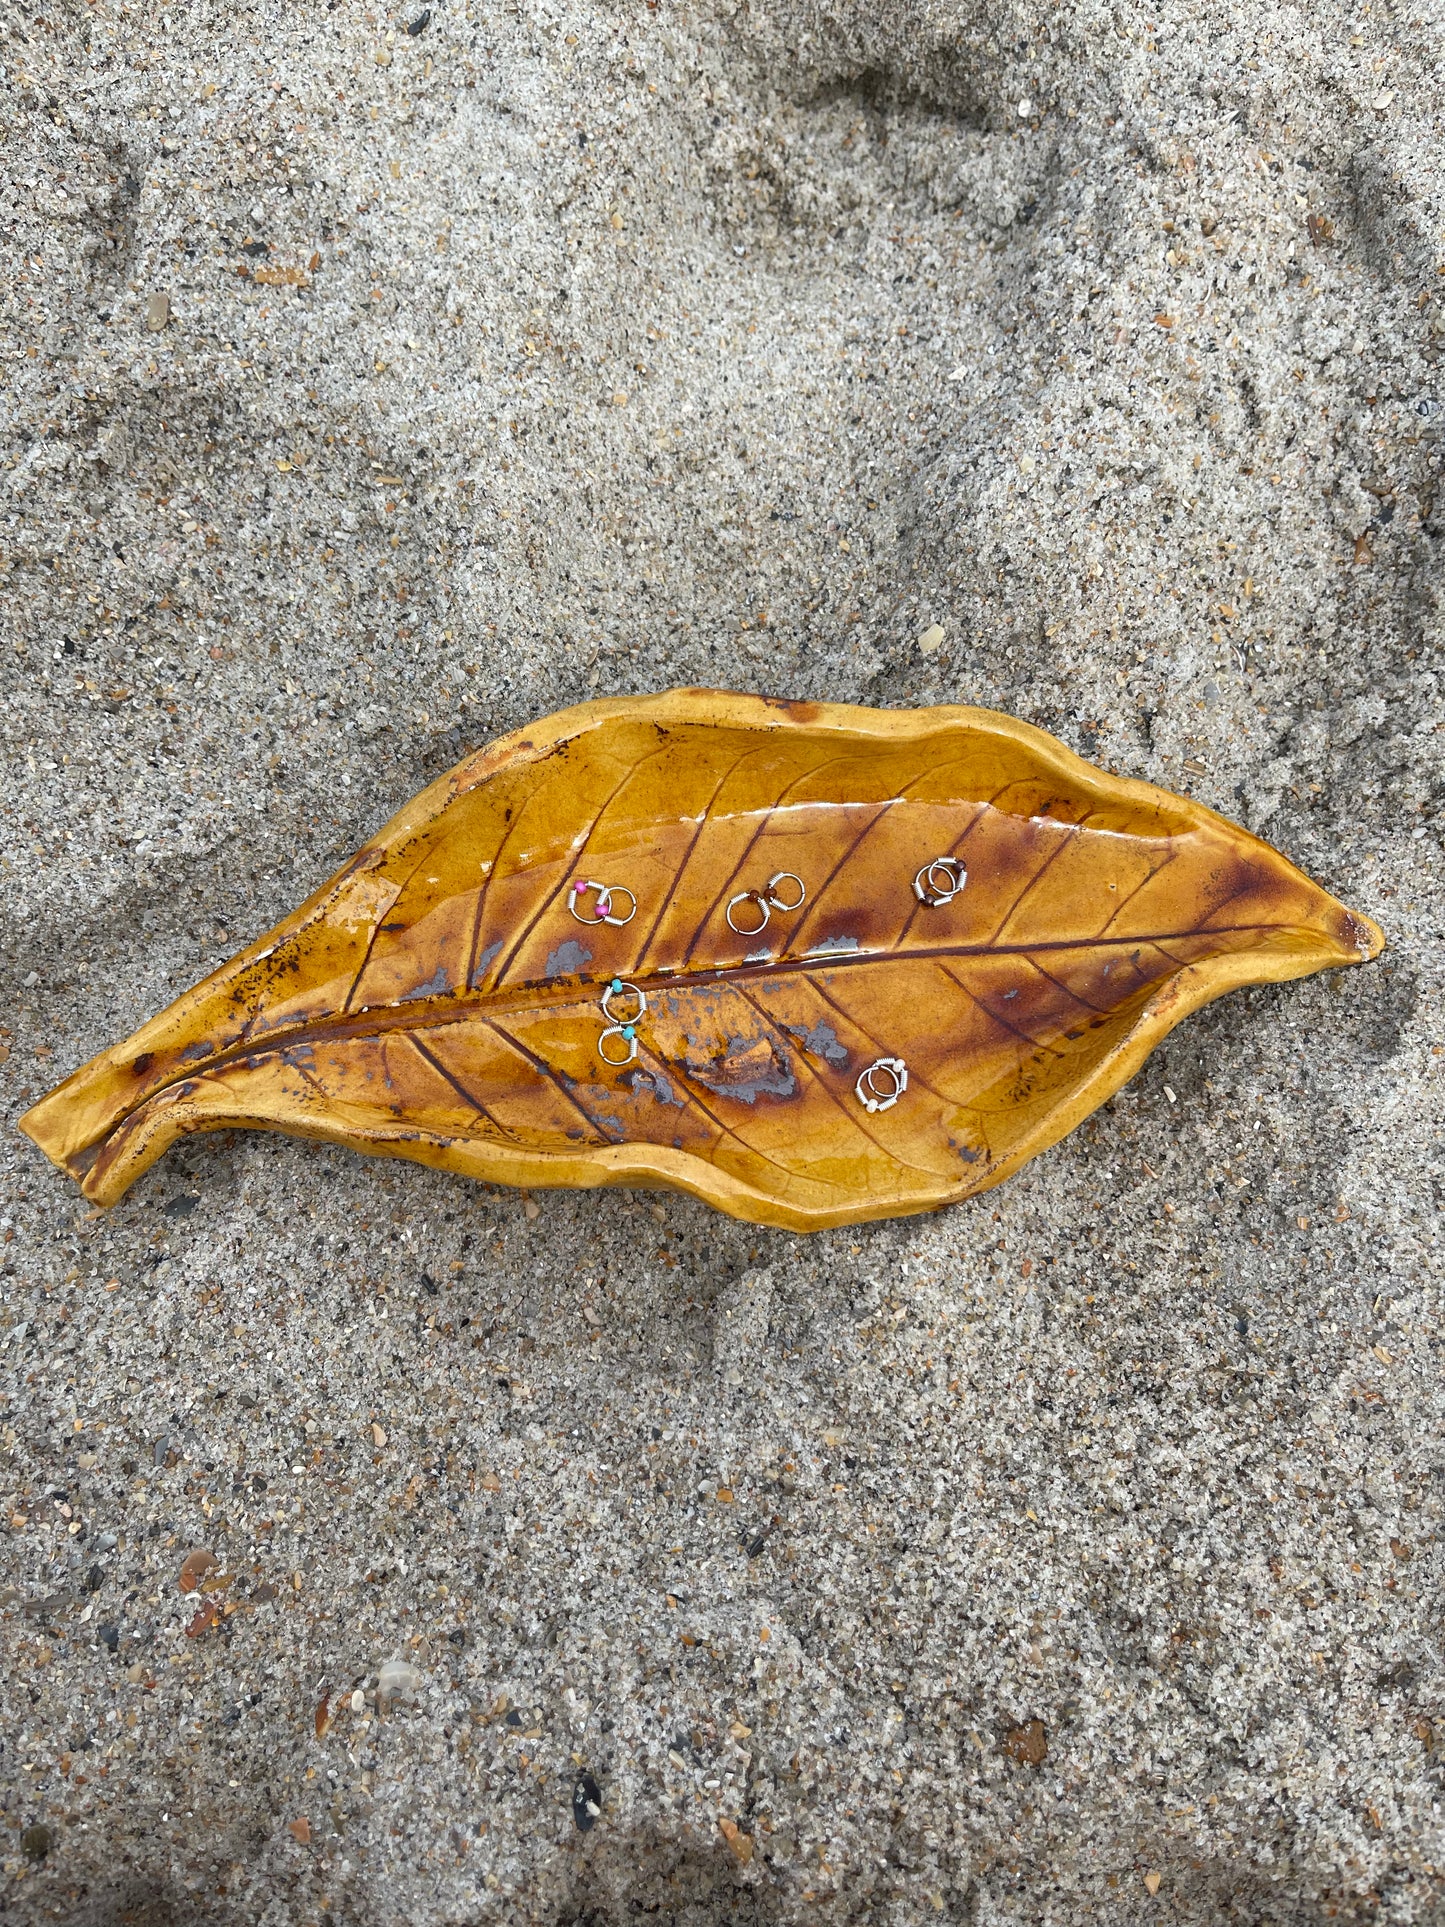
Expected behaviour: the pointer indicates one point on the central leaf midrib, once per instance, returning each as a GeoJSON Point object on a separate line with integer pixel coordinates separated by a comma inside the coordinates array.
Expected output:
{"type": "Point", "coordinates": [435, 1013]}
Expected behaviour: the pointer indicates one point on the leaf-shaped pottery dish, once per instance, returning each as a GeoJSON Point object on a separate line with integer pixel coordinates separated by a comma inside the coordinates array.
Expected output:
{"type": "Point", "coordinates": [991, 937]}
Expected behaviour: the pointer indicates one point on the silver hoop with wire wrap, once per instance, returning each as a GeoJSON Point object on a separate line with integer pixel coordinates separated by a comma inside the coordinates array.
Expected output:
{"type": "Point", "coordinates": [776, 902]}
{"type": "Point", "coordinates": [628, 1035]}
{"type": "Point", "coordinates": [616, 989]}
{"type": "Point", "coordinates": [757, 898]}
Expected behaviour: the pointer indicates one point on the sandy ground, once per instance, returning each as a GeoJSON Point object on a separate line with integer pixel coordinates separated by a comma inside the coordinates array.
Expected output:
{"type": "Point", "coordinates": [376, 382]}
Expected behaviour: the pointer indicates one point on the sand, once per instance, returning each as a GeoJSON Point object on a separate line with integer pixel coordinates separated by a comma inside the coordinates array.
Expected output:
{"type": "Point", "coordinates": [377, 382]}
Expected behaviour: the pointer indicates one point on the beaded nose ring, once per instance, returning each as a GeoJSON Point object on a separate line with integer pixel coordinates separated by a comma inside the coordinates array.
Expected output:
{"type": "Point", "coordinates": [759, 902]}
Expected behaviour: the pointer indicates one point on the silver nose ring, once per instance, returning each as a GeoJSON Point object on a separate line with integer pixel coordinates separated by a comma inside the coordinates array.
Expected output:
{"type": "Point", "coordinates": [619, 989]}
{"type": "Point", "coordinates": [759, 902]}
{"type": "Point", "coordinates": [775, 898]}
{"type": "Point", "coordinates": [628, 1035]}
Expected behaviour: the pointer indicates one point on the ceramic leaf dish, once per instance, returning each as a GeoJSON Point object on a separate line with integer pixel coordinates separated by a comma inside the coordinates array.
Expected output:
{"type": "Point", "coordinates": [811, 963]}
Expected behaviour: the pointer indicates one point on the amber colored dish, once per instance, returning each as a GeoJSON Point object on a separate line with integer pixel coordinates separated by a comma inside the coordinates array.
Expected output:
{"type": "Point", "coordinates": [441, 998]}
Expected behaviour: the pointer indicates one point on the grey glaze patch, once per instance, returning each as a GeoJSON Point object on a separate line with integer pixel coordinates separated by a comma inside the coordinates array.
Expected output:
{"type": "Point", "coordinates": [833, 947]}
{"type": "Point", "coordinates": [685, 1003]}
{"type": "Point", "coordinates": [751, 1067]}
{"type": "Point", "coordinates": [435, 986]}
{"type": "Point", "coordinates": [821, 1040]}
{"type": "Point", "coordinates": [654, 1084]}
{"type": "Point", "coordinates": [568, 959]}
{"type": "Point", "coordinates": [758, 956]}
{"type": "Point", "coordinates": [484, 959]}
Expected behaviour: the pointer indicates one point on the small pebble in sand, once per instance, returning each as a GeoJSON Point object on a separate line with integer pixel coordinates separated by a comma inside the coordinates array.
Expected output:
{"type": "Point", "coordinates": [1027, 1744]}
{"type": "Point", "coordinates": [158, 312]}
{"type": "Point", "coordinates": [740, 1844]}
{"type": "Point", "coordinates": [397, 1680]}
{"type": "Point", "coordinates": [586, 1802]}
{"type": "Point", "coordinates": [197, 1563]}
{"type": "Point", "coordinates": [932, 639]}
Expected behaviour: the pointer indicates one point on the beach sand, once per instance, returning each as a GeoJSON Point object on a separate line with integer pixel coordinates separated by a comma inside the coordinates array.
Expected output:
{"type": "Point", "coordinates": [378, 382]}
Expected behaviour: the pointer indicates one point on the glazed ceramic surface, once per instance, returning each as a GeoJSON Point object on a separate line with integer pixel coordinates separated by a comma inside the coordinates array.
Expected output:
{"type": "Point", "coordinates": [813, 964]}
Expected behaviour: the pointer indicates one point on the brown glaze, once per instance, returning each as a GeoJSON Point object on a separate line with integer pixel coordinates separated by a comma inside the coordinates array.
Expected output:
{"type": "Point", "coordinates": [438, 1001]}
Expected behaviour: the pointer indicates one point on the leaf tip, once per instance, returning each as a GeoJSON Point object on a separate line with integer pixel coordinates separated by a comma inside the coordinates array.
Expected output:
{"type": "Point", "coordinates": [45, 1125]}
{"type": "Point", "coordinates": [1364, 934]}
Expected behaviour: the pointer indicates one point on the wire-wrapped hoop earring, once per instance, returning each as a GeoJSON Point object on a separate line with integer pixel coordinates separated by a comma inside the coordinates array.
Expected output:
{"type": "Point", "coordinates": [759, 902]}
{"type": "Point", "coordinates": [939, 882]}
{"type": "Point", "coordinates": [629, 1045]}
{"type": "Point", "coordinates": [618, 988]}
{"type": "Point", "coordinates": [605, 894]}
{"type": "Point", "coordinates": [775, 901]}
{"type": "Point", "coordinates": [882, 1095]}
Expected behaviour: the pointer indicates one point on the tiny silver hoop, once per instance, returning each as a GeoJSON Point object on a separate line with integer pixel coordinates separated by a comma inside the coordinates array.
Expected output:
{"type": "Point", "coordinates": [629, 1038]}
{"type": "Point", "coordinates": [616, 989]}
{"type": "Point", "coordinates": [775, 901]}
{"type": "Point", "coordinates": [870, 1095]}
{"type": "Point", "coordinates": [605, 894]}
{"type": "Point", "coordinates": [940, 881]}
{"type": "Point", "coordinates": [754, 897]}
